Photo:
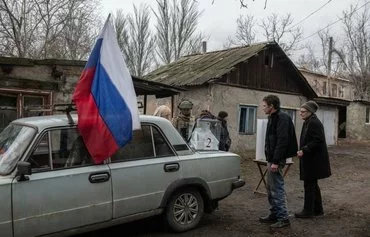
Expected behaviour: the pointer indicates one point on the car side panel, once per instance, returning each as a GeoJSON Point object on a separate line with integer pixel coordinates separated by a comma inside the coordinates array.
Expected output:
{"type": "Point", "coordinates": [59, 200]}
{"type": "Point", "coordinates": [6, 205]}
{"type": "Point", "coordinates": [139, 186]}
{"type": "Point", "coordinates": [218, 169]}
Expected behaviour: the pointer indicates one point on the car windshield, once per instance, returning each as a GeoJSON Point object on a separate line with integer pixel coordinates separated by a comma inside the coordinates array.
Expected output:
{"type": "Point", "coordinates": [14, 140]}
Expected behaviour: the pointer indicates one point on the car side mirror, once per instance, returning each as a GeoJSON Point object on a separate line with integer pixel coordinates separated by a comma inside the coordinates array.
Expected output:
{"type": "Point", "coordinates": [24, 168]}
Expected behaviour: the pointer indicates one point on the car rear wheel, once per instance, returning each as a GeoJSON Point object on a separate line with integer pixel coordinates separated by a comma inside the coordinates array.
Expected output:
{"type": "Point", "coordinates": [185, 210]}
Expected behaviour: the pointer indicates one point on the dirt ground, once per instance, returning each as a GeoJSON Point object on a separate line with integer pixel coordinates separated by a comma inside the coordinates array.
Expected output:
{"type": "Point", "coordinates": [346, 197]}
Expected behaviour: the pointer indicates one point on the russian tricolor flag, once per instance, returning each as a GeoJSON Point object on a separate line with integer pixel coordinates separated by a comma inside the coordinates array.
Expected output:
{"type": "Point", "coordinates": [105, 98]}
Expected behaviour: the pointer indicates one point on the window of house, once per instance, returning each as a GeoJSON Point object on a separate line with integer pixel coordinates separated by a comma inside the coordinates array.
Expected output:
{"type": "Point", "coordinates": [368, 115]}
{"type": "Point", "coordinates": [341, 91]}
{"type": "Point", "coordinates": [59, 149]}
{"type": "Point", "coordinates": [15, 104]}
{"type": "Point", "coordinates": [247, 119]}
{"type": "Point", "coordinates": [334, 90]}
{"type": "Point", "coordinates": [324, 88]}
{"type": "Point", "coordinates": [148, 142]}
{"type": "Point", "coordinates": [8, 110]}
{"type": "Point", "coordinates": [291, 113]}
{"type": "Point", "coordinates": [32, 102]}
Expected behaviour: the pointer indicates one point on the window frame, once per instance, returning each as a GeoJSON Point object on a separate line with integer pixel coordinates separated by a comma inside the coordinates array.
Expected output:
{"type": "Point", "coordinates": [248, 107]}
{"type": "Point", "coordinates": [151, 125]}
{"type": "Point", "coordinates": [367, 115]}
{"type": "Point", "coordinates": [324, 88]}
{"type": "Point", "coordinates": [334, 90]}
{"type": "Point", "coordinates": [50, 152]}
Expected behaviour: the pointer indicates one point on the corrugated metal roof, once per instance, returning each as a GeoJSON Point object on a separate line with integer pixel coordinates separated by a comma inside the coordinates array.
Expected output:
{"type": "Point", "coordinates": [200, 68]}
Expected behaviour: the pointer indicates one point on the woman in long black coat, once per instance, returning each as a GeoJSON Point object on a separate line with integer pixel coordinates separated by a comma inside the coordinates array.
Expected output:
{"type": "Point", "coordinates": [314, 160]}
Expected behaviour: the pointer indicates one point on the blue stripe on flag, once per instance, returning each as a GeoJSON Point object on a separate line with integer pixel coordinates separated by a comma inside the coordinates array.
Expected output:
{"type": "Point", "coordinates": [95, 54]}
{"type": "Point", "coordinates": [111, 106]}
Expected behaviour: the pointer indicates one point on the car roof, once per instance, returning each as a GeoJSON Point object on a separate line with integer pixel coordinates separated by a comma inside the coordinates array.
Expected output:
{"type": "Point", "coordinates": [53, 121]}
{"type": "Point", "coordinates": [61, 120]}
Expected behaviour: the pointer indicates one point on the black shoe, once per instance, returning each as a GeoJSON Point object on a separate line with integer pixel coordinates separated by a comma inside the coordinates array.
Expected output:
{"type": "Point", "coordinates": [303, 214]}
{"type": "Point", "coordinates": [268, 219]}
{"type": "Point", "coordinates": [280, 224]}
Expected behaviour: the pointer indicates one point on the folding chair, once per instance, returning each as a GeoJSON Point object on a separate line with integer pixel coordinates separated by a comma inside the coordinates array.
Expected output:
{"type": "Point", "coordinates": [263, 171]}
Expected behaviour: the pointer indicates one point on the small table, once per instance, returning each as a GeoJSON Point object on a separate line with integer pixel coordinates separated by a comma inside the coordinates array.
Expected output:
{"type": "Point", "coordinates": [261, 163]}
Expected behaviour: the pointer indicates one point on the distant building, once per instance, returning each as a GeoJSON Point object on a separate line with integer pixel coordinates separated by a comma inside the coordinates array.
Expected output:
{"type": "Point", "coordinates": [353, 115]}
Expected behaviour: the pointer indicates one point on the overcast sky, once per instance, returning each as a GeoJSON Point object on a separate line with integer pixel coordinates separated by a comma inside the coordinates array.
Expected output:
{"type": "Point", "coordinates": [218, 20]}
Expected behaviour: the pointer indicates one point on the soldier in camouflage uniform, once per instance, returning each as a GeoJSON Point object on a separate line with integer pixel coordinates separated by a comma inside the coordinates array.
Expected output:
{"type": "Point", "coordinates": [184, 121]}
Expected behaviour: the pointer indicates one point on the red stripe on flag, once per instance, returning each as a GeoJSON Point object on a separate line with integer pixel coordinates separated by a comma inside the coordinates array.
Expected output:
{"type": "Point", "coordinates": [95, 133]}
{"type": "Point", "coordinates": [98, 139]}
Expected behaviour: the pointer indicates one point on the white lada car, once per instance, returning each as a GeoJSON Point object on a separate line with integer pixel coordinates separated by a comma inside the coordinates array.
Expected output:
{"type": "Point", "coordinates": [50, 186]}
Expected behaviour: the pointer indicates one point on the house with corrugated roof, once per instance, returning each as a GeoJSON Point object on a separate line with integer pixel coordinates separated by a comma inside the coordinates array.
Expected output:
{"type": "Point", "coordinates": [235, 80]}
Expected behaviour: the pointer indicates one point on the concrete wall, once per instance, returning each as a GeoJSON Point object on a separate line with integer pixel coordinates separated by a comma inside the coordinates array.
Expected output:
{"type": "Point", "coordinates": [356, 126]}
{"type": "Point", "coordinates": [229, 98]}
{"type": "Point", "coordinates": [68, 82]}
{"type": "Point", "coordinates": [62, 78]}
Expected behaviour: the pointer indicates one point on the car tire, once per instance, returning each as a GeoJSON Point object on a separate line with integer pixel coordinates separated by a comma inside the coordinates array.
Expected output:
{"type": "Point", "coordinates": [184, 210]}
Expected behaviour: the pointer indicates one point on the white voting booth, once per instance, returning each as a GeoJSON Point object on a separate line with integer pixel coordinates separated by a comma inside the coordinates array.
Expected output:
{"type": "Point", "coordinates": [206, 134]}
{"type": "Point", "coordinates": [260, 143]}
{"type": "Point", "coordinates": [260, 154]}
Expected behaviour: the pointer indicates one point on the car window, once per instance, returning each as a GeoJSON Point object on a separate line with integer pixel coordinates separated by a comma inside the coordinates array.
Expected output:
{"type": "Point", "coordinates": [40, 159]}
{"type": "Point", "coordinates": [141, 146]}
{"type": "Point", "coordinates": [66, 148]}
{"type": "Point", "coordinates": [148, 142]}
{"type": "Point", "coordinates": [161, 146]}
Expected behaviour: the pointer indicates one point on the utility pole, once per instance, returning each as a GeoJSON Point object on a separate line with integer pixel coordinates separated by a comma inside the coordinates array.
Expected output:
{"type": "Point", "coordinates": [329, 64]}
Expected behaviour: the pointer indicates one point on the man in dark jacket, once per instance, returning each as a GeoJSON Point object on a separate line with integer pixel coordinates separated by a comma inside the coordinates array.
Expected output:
{"type": "Point", "coordinates": [314, 160]}
{"type": "Point", "coordinates": [280, 143]}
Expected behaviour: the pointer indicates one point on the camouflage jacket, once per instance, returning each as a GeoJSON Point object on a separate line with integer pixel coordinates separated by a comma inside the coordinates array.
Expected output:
{"type": "Point", "coordinates": [183, 124]}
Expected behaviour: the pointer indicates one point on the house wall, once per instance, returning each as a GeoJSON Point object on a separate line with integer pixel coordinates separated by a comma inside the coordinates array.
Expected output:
{"type": "Point", "coordinates": [356, 126]}
{"type": "Point", "coordinates": [60, 80]}
{"type": "Point", "coordinates": [201, 97]}
{"type": "Point", "coordinates": [26, 84]}
{"type": "Point", "coordinates": [229, 98]}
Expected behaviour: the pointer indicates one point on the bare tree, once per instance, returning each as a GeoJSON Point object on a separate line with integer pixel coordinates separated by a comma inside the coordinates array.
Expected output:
{"type": "Point", "coordinates": [357, 49]}
{"type": "Point", "coordinates": [37, 28]}
{"type": "Point", "coordinates": [245, 31]}
{"type": "Point", "coordinates": [275, 28]}
{"type": "Point", "coordinates": [78, 34]}
{"type": "Point", "coordinates": [176, 26]}
{"type": "Point", "coordinates": [243, 3]}
{"type": "Point", "coordinates": [319, 62]}
{"type": "Point", "coordinates": [281, 29]}
{"type": "Point", "coordinates": [18, 27]}
{"type": "Point", "coordinates": [135, 39]}
{"type": "Point", "coordinates": [309, 61]}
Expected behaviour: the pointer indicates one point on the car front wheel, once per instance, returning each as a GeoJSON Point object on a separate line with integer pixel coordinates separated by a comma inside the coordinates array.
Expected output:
{"type": "Point", "coordinates": [185, 210]}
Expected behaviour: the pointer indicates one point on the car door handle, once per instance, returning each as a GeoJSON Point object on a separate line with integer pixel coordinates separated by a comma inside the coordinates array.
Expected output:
{"type": "Point", "coordinates": [99, 177]}
{"type": "Point", "coordinates": [171, 167]}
